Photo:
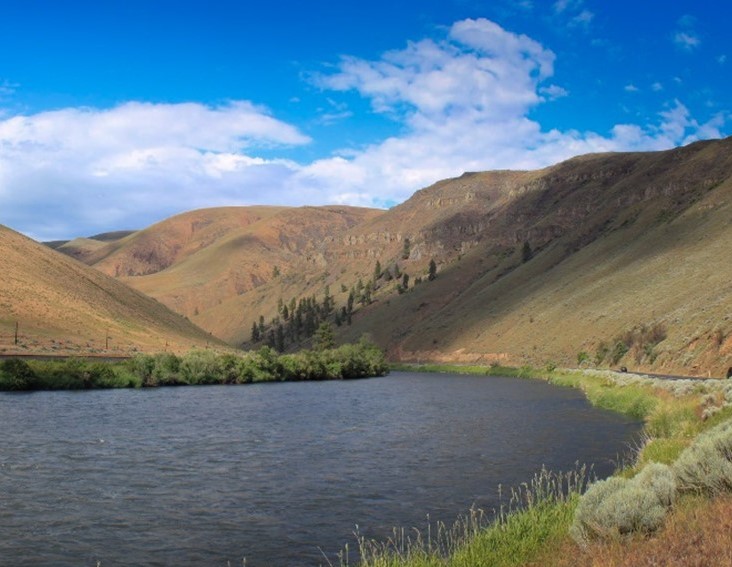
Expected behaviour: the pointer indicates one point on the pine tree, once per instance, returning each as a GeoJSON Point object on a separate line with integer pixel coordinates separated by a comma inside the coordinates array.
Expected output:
{"type": "Point", "coordinates": [255, 332]}
{"type": "Point", "coordinates": [526, 252]}
{"type": "Point", "coordinates": [324, 338]}
{"type": "Point", "coordinates": [377, 271]}
{"type": "Point", "coordinates": [432, 270]}
{"type": "Point", "coordinates": [406, 249]}
{"type": "Point", "coordinates": [280, 339]}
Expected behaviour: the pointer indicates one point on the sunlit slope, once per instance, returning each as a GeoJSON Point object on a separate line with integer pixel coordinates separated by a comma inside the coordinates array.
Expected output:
{"type": "Point", "coordinates": [63, 306]}
{"type": "Point", "coordinates": [197, 261]}
{"type": "Point", "coordinates": [532, 266]}
{"type": "Point", "coordinates": [619, 241]}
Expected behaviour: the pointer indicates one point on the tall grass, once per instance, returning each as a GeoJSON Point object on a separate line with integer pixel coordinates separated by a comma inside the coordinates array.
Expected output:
{"type": "Point", "coordinates": [675, 456]}
{"type": "Point", "coordinates": [537, 513]}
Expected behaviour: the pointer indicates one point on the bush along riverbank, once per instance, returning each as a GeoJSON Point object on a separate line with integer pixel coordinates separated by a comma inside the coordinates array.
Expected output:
{"type": "Point", "coordinates": [360, 360]}
{"type": "Point", "coordinates": [681, 467]}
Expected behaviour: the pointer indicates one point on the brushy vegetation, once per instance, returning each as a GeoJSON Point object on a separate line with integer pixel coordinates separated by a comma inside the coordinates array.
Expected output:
{"type": "Point", "coordinates": [686, 449]}
{"type": "Point", "coordinates": [705, 467]}
{"type": "Point", "coordinates": [640, 342]}
{"type": "Point", "coordinates": [195, 368]}
{"type": "Point", "coordinates": [618, 506]}
{"type": "Point", "coordinates": [538, 511]}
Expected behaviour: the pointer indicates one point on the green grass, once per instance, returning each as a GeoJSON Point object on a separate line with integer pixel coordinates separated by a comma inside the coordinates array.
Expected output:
{"type": "Point", "coordinates": [541, 526]}
{"type": "Point", "coordinates": [538, 514]}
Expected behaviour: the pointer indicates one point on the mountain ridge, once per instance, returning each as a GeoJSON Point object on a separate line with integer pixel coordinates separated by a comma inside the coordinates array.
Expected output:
{"type": "Point", "coordinates": [599, 214]}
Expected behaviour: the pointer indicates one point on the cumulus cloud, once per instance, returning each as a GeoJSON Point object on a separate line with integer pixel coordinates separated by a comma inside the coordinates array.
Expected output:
{"type": "Point", "coordinates": [464, 102]}
{"type": "Point", "coordinates": [92, 168]}
{"type": "Point", "coordinates": [467, 101]}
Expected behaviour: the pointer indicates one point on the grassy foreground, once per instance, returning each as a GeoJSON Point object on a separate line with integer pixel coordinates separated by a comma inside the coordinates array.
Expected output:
{"type": "Point", "coordinates": [359, 360]}
{"type": "Point", "coordinates": [683, 463]}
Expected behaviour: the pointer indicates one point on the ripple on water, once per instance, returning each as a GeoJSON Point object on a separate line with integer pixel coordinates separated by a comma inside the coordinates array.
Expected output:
{"type": "Point", "coordinates": [274, 472]}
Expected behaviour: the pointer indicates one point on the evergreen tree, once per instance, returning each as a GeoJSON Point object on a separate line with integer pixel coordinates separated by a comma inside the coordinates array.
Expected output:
{"type": "Point", "coordinates": [280, 339]}
{"type": "Point", "coordinates": [324, 338]}
{"type": "Point", "coordinates": [406, 249]}
{"type": "Point", "coordinates": [377, 271]}
{"type": "Point", "coordinates": [526, 252]}
{"type": "Point", "coordinates": [432, 274]}
{"type": "Point", "coordinates": [328, 302]}
{"type": "Point", "coordinates": [255, 332]}
{"type": "Point", "coordinates": [405, 281]}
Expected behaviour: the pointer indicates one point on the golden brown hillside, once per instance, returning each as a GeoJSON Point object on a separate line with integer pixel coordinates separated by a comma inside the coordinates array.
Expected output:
{"type": "Point", "coordinates": [196, 261]}
{"type": "Point", "coordinates": [62, 306]}
{"type": "Point", "coordinates": [533, 266]}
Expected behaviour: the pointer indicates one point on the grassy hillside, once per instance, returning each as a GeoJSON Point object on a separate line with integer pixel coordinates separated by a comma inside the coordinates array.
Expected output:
{"type": "Point", "coordinates": [610, 258]}
{"type": "Point", "coordinates": [619, 242]}
{"type": "Point", "coordinates": [64, 307]}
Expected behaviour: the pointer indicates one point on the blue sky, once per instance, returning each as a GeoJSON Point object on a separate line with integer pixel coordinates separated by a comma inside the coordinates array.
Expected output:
{"type": "Point", "coordinates": [117, 114]}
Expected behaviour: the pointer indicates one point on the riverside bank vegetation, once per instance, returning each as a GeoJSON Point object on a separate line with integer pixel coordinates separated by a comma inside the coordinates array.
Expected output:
{"type": "Point", "coordinates": [197, 367]}
{"type": "Point", "coordinates": [657, 507]}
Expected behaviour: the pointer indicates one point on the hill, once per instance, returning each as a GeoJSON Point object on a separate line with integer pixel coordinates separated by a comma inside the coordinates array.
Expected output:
{"type": "Point", "coordinates": [610, 258]}
{"type": "Point", "coordinates": [64, 307]}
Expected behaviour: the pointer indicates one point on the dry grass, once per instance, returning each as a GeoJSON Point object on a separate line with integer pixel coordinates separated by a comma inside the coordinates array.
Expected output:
{"type": "Point", "coordinates": [64, 307]}
{"type": "Point", "coordinates": [619, 240]}
{"type": "Point", "coordinates": [695, 534]}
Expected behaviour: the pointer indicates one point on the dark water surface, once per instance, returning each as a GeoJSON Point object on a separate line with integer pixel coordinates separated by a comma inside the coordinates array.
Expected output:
{"type": "Point", "coordinates": [274, 472]}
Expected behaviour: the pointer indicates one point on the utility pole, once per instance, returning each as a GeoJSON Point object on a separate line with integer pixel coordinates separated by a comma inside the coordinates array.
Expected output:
{"type": "Point", "coordinates": [16, 332]}
{"type": "Point", "coordinates": [106, 340]}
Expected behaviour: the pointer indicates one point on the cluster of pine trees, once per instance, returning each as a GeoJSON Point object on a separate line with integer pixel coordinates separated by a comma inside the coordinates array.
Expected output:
{"type": "Point", "coordinates": [299, 319]}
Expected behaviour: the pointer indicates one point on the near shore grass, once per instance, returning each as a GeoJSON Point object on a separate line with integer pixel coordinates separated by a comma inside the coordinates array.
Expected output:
{"type": "Point", "coordinates": [535, 529]}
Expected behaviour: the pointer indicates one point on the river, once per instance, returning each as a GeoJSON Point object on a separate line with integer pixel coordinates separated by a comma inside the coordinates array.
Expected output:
{"type": "Point", "coordinates": [280, 474]}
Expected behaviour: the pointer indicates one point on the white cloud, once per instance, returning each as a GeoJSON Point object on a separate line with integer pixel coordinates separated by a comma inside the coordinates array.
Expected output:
{"type": "Point", "coordinates": [466, 101]}
{"type": "Point", "coordinates": [132, 164]}
{"type": "Point", "coordinates": [687, 40]}
{"type": "Point", "coordinates": [463, 101]}
{"type": "Point", "coordinates": [631, 88]}
{"type": "Point", "coordinates": [583, 19]}
{"type": "Point", "coordinates": [657, 87]}
{"type": "Point", "coordinates": [553, 92]}
{"type": "Point", "coordinates": [722, 59]}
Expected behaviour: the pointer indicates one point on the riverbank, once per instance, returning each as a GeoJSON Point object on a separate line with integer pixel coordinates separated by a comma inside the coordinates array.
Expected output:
{"type": "Point", "coordinates": [197, 367]}
{"type": "Point", "coordinates": [546, 521]}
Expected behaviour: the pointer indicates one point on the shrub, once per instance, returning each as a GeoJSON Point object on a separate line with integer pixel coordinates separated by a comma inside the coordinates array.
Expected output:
{"type": "Point", "coordinates": [619, 351]}
{"type": "Point", "coordinates": [16, 374]}
{"type": "Point", "coordinates": [583, 358]}
{"type": "Point", "coordinates": [166, 370]}
{"type": "Point", "coordinates": [200, 367]}
{"type": "Point", "coordinates": [142, 366]}
{"type": "Point", "coordinates": [619, 506]}
{"type": "Point", "coordinates": [706, 465]}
